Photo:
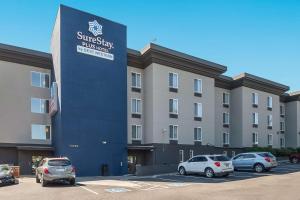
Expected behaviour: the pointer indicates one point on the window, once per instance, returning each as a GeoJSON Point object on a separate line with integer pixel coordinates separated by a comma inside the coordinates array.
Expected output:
{"type": "Point", "coordinates": [198, 134]}
{"type": "Point", "coordinates": [181, 156]}
{"type": "Point", "coordinates": [198, 109]}
{"type": "Point", "coordinates": [270, 121]}
{"type": "Point", "coordinates": [282, 142]}
{"type": "Point", "coordinates": [136, 106]}
{"type": "Point", "coordinates": [282, 111]}
{"type": "Point", "coordinates": [191, 153]}
{"type": "Point", "coordinates": [173, 106]}
{"type": "Point", "coordinates": [173, 129]}
{"type": "Point", "coordinates": [136, 132]}
{"type": "Point", "coordinates": [198, 86]}
{"type": "Point", "coordinates": [225, 98]}
{"type": "Point", "coordinates": [255, 118]}
{"type": "Point", "coordinates": [135, 80]}
{"type": "Point", "coordinates": [270, 102]}
{"type": "Point", "coordinates": [39, 79]}
{"type": "Point", "coordinates": [226, 138]}
{"type": "Point", "coordinates": [232, 154]}
{"type": "Point", "coordinates": [282, 126]}
{"type": "Point", "coordinates": [40, 132]}
{"type": "Point", "coordinates": [255, 99]}
{"type": "Point", "coordinates": [255, 138]}
{"type": "Point", "coordinates": [270, 139]}
{"type": "Point", "coordinates": [39, 105]}
{"type": "Point", "coordinates": [225, 118]}
{"type": "Point", "coordinates": [173, 80]}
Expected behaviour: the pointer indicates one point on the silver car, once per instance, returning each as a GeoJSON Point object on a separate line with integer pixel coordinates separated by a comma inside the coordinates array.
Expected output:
{"type": "Point", "coordinates": [55, 169]}
{"type": "Point", "coordinates": [257, 161]}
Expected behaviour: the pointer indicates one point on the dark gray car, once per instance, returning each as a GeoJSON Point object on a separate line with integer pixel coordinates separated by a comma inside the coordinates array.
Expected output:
{"type": "Point", "coordinates": [55, 169]}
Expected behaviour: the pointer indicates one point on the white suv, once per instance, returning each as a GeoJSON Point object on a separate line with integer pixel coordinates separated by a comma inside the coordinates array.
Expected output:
{"type": "Point", "coordinates": [210, 165]}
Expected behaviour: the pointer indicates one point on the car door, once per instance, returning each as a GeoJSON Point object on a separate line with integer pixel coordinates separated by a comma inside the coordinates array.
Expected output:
{"type": "Point", "coordinates": [190, 165]}
{"type": "Point", "coordinates": [249, 160]}
{"type": "Point", "coordinates": [238, 161]}
{"type": "Point", "coordinates": [199, 164]}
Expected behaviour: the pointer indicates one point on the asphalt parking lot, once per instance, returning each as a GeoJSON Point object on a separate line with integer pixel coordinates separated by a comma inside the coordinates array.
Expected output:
{"type": "Point", "coordinates": [240, 185]}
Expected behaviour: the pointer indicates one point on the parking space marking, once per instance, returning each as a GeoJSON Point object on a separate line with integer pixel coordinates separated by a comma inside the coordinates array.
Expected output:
{"type": "Point", "coordinates": [89, 190]}
{"type": "Point", "coordinates": [117, 190]}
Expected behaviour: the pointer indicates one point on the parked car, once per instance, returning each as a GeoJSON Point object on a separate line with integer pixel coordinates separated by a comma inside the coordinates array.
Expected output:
{"type": "Point", "coordinates": [294, 158]}
{"type": "Point", "coordinates": [54, 170]}
{"type": "Point", "coordinates": [209, 165]}
{"type": "Point", "coordinates": [6, 176]}
{"type": "Point", "coordinates": [257, 161]}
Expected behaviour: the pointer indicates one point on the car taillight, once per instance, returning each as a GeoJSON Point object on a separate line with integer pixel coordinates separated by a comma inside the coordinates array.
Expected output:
{"type": "Point", "coordinates": [46, 171]}
{"type": "Point", "coordinates": [218, 164]}
{"type": "Point", "coordinates": [73, 169]}
{"type": "Point", "coordinates": [268, 159]}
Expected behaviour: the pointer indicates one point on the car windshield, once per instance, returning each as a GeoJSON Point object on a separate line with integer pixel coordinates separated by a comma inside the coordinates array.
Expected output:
{"type": "Point", "coordinates": [269, 155]}
{"type": "Point", "coordinates": [59, 162]}
{"type": "Point", "coordinates": [219, 158]}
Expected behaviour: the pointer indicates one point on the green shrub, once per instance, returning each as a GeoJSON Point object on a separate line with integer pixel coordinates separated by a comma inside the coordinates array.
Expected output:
{"type": "Point", "coordinates": [282, 152]}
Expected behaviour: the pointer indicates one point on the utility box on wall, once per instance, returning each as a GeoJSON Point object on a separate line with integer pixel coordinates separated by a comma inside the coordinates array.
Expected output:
{"type": "Point", "coordinates": [90, 70]}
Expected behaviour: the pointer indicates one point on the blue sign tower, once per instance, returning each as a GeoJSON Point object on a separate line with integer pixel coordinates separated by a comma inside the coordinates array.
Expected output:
{"type": "Point", "coordinates": [90, 73]}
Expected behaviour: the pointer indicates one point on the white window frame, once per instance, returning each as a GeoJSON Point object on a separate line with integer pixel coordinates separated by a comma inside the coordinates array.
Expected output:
{"type": "Point", "coordinates": [173, 134]}
{"type": "Point", "coordinates": [137, 134]}
{"type": "Point", "coordinates": [198, 82]}
{"type": "Point", "coordinates": [196, 132]}
{"type": "Point", "coordinates": [224, 117]}
{"type": "Point", "coordinates": [282, 145]}
{"type": "Point", "coordinates": [50, 131]}
{"type": "Point", "coordinates": [174, 102]}
{"type": "Point", "coordinates": [255, 136]}
{"type": "Point", "coordinates": [224, 98]}
{"type": "Point", "coordinates": [138, 82]}
{"type": "Point", "coordinates": [269, 102]}
{"type": "Point", "coordinates": [199, 108]}
{"type": "Point", "coordinates": [136, 106]}
{"type": "Point", "coordinates": [40, 74]}
{"type": "Point", "coordinates": [282, 126]}
{"type": "Point", "coordinates": [282, 111]}
{"type": "Point", "coordinates": [40, 108]}
{"type": "Point", "coordinates": [270, 142]}
{"type": "Point", "coordinates": [181, 155]}
{"type": "Point", "coordinates": [270, 120]}
{"type": "Point", "coordinates": [227, 138]}
{"type": "Point", "coordinates": [191, 153]}
{"type": "Point", "coordinates": [255, 98]}
{"type": "Point", "coordinates": [176, 81]}
{"type": "Point", "coordinates": [255, 118]}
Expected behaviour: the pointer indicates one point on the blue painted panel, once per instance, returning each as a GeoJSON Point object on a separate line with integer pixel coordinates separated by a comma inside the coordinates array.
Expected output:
{"type": "Point", "coordinates": [93, 95]}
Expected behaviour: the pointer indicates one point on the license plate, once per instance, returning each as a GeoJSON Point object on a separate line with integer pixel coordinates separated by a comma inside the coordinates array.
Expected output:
{"type": "Point", "coordinates": [60, 170]}
{"type": "Point", "coordinates": [0, 181]}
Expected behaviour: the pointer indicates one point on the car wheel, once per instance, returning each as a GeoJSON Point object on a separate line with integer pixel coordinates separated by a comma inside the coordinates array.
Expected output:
{"type": "Point", "coordinates": [258, 168]}
{"type": "Point", "coordinates": [72, 181]}
{"type": "Point", "coordinates": [37, 180]}
{"type": "Point", "coordinates": [209, 173]}
{"type": "Point", "coordinates": [43, 182]}
{"type": "Point", "coordinates": [295, 160]}
{"type": "Point", "coordinates": [182, 171]}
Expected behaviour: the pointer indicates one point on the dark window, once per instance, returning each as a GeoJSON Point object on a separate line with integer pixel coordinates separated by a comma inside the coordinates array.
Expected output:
{"type": "Point", "coordinates": [59, 162]}
{"type": "Point", "coordinates": [219, 158]}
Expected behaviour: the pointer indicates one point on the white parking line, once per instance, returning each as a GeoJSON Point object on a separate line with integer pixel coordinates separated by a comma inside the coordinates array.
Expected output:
{"type": "Point", "coordinates": [89, 190]}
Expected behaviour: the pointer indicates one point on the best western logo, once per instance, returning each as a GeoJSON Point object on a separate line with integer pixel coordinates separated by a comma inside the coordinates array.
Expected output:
{"type": "Point", "coordinates": [95, 45]}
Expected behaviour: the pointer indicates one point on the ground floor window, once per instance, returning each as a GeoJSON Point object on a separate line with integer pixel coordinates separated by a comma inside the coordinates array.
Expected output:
{"type": "Point", "coordinates": [40, 132]}
{"type": "Point", "coordinates": [181, 155]}
{"type": "Point", "coordinates": [270, 139]}
{"type": "Point", "coordinates": [255, 138]}
{"type": "Point", "coordinates": [173, 132]}
{"type": "Point", "coordinates": [191, 153]}
{"type": "Point", "coordinates": [282, 143]}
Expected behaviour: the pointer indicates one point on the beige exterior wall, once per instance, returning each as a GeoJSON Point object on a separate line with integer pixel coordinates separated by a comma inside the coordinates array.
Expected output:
{"type": "Point", "coordinates": [219, 110]}
{"type": "Point", "coordinates": [15, 103]}
{"type": "Point", "coordinates": [242, 118]}
{"type": "Point", "coordinates": [292, 114]}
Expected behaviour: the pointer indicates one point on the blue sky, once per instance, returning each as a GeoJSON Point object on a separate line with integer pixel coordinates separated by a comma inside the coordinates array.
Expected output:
{"type": "Point", "coordinates": [261, 37]}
